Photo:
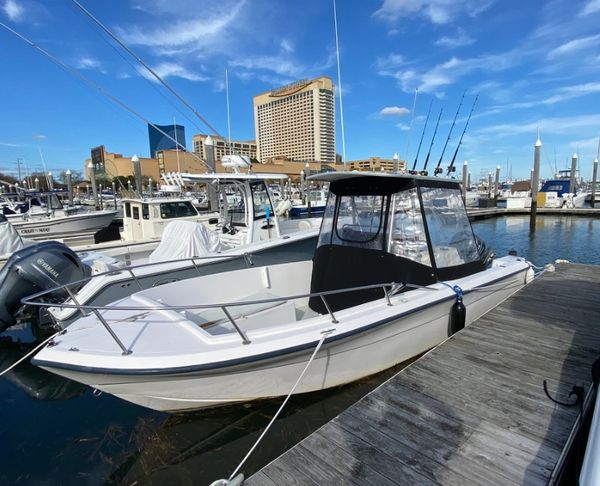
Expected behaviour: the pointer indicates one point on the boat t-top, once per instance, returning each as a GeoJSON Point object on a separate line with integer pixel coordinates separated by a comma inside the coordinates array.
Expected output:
{"type": "Point", "coordinates": [397, 269]}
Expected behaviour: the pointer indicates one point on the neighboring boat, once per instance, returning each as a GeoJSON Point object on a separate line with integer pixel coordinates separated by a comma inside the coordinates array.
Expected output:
{"type": "Point", "coordinates": [556, 192]}
{"type": "Point", "coordinates": [395, 261]}
{"type": "Point", "coordinates": [315, 204]}
{"type": "Point", "coordinates": [55, 221]}
{"type": "Point", "coordinates": [247, 233]}
{"type": "Point", "coordinates": [515, 195]}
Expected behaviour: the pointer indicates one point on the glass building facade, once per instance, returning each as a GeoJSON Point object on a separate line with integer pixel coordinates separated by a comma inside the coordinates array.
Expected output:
{"type": "Point", "coordinates": [158, 141]}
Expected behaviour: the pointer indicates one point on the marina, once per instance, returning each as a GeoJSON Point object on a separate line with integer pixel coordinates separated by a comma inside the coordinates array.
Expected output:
{"type": "Point", "coordinates": [473, 410]}
{"type": "Point", "coordinates": [246, 242]}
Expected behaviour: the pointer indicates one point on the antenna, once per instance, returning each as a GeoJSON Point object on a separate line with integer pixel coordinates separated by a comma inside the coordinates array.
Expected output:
{"type": "Point", "coordinates": [451, 166]}
{"type": "Point", "coordinates": [176, 144]}
{"type": "Point", "coordinates": [337, 52]}
{"type": "Point", "coordinates": [228, 117]}
{"type": "Point", "coordinates": [432, 140]}
{"type": "Point", "coordinates": [438, 169]}
{"type": "Point", "coordinates": [411, 122]}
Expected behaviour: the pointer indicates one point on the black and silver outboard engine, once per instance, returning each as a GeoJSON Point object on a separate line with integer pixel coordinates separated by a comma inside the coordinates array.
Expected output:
{"type": "Point", "coordinates": [34, 269]}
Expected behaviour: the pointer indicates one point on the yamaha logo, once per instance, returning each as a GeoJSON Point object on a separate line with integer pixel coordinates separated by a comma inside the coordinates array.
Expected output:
{"type": "Point", "coordinates": [47, 267]}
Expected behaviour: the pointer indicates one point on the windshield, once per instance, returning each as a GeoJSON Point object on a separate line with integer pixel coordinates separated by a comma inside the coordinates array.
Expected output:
{"type": "Point", "coordinates": [449, 228]}
{"type": "Point", "coordinates": [178, 209]}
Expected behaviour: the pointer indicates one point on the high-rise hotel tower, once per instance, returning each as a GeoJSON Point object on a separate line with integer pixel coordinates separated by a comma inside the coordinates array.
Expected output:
{"type": "Point", "coordinates": [296, 122]}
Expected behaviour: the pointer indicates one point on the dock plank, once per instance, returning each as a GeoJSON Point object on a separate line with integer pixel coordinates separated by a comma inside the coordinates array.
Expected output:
{"type": "Point", "coordinates": [473, 410]}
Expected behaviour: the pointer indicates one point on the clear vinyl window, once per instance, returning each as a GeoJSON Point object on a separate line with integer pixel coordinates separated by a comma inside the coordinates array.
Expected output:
{"type": "Point", "coordinates": [407, 237]}
{"type": "Point", "coordinates": [450, 231]}
{"type": "Point", "coordinates": [359, 221]}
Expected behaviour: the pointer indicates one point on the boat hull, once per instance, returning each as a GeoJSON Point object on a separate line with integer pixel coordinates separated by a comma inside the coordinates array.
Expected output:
{"type": "Point", "coordinates": [343, 358]}
{"type": "Point", "coordinates": [61, 227]}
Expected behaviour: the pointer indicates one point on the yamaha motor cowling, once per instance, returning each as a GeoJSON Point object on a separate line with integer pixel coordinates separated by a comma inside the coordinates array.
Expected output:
{"type": "Point", "coordinates": [34, 269]}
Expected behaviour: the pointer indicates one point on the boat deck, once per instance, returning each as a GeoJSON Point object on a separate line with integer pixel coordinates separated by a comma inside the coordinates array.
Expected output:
{"type": "Point", "coordinates": [473, 410]}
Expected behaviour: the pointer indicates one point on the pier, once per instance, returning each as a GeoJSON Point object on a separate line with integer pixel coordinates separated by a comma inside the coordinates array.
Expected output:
{"type": "Point", "coordinates": [473, 410]}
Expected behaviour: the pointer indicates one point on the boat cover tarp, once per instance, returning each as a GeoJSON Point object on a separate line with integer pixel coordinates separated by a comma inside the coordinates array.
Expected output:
{"type": "Point", "coordinates": [10, 241]}
{"type": "Point", "coordinates": [185, 239]}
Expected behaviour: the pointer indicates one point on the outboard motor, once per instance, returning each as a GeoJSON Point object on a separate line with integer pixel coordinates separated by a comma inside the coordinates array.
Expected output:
{"type": "Point", "coordinates": [34, 269]}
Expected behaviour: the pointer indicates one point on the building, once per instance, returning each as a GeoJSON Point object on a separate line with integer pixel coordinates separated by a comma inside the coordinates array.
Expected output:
{"type": "Point", "coordinates": [222, 148]}
{"type": "Point", "coordinates": [296, 122]}
{"type": "Point", "coordinates": [116, 165]}
{"type": "Point", "coordinates": [374, 164]}
{"type": "Point", "coordinates": [158, 141]}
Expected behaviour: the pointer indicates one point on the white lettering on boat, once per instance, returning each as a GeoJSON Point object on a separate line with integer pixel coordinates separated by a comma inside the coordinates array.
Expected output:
{"type": "Point", "coordinates": [47, 267]}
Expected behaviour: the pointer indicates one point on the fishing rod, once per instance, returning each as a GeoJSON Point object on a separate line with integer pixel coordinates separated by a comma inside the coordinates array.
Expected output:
{"type": "Point", "coordinates": [438, 169]}
{"type": "Point", "coordinates": [422, 135]}
{"type": "Point", "coordinates": [148, 68]}
{"type": "Point", "coordinates": [424, 171]}
{"type": "Point", "coordinates": [94, 86]}
{"type": "Point", "coordinates": [451, 167]}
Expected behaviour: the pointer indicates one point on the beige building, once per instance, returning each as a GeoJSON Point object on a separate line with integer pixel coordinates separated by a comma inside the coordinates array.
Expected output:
{"type": "Point", "coordinates": [374, 164]}
{"type": "Point", "coordinates": [222, 148]}
{"type": "Point", "coordinates": [296, 122]}
{"type": "Point", "coordinates": [116, 165]}
{"type": "Point", "coordinates": [290, 168]}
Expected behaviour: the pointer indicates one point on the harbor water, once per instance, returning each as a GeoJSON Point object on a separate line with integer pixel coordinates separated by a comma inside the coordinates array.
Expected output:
{"type": "Point", "coordinates": [54, 431]}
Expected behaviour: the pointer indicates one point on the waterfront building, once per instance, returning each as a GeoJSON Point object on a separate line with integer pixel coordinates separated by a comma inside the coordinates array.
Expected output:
{"type": "Point", "coordinates": [117, 165]}
{"type": "Point", "coordinates": [296, 122]}
{"type": "Point", "coordinates": [237, 147]}
{"type": "Point", "coordinates": [159, 142]}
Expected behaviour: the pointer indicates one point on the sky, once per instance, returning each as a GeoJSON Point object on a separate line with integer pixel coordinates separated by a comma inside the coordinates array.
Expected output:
{"type": "Point", "coordinates": [533, 65]}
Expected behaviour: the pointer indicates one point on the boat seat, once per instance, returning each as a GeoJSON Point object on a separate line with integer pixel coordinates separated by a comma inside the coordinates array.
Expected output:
{"type": "Point", "coordinates": [209, 317]}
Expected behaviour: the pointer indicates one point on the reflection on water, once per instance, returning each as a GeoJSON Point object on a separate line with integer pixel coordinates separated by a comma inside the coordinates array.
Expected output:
{"type": "Point", "coordinates": [55, 431]}
{"type": "Point", "coordinates": [572, 238]}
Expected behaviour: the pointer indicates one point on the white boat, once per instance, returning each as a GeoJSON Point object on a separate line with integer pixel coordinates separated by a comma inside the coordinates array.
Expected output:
{"type": "Point", "coordinates": [175, 243]}
{"type": "Point", "coordinates": [55, 221]}
{"type": "Point", "coordinates": [396, 256]}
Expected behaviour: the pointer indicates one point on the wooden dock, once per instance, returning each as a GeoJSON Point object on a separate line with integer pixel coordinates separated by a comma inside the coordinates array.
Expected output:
{"type": "Point", "coordinates": [481, 213]}
{"type": "Point", "coordinates": [472, 410]}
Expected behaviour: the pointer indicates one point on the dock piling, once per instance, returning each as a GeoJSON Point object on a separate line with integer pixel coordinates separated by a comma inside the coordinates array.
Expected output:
{"type": "Point", "coordinates": [594, 178]}
{"type": "Point", "coordinates": [534, 183]}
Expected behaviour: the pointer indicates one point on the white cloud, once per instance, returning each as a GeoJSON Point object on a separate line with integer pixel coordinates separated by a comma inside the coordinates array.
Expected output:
{"type": "Point", "coordinates": [394, 111]}
{"type": "Point", "coordinates": [286, 46]}
{"type": "Point", "coordinates": [39, 136]}
{"type": "Point", "coordinates": [403, 126]}
{"type": "Point", "coordinates": [210, 30]}
{"type": "Point", "coordinates": [88, 63]}
{"type": "Point", "coordinates": [436, 11]}
{"type": "Point", "coordinates": [574, 46]}
{"type": "Point", "coordinates": [460, 40]}
{"type": "Point", "coordinates": [13, 10]}
{"type": "Point", "coordinates": [8, 144]}
{"type": "Point", "coordinates": [172, 69]}
{"type": "Point", "coordinates": [593, 6]}
{"type": "Point", "coordinates": [556, 125]}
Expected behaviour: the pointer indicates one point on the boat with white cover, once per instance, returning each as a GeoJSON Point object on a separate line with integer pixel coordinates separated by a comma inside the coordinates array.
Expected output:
{"type": "Point", "coordinates": [395, 262]}
{"type": "Point", "coordinates": [239, 235]}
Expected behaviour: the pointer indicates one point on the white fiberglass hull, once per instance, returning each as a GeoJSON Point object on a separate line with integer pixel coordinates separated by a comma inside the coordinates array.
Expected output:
{"type": "Point", "coordinates": [368, 338]}
{"type": "Point", "coordinates": [63, 226]}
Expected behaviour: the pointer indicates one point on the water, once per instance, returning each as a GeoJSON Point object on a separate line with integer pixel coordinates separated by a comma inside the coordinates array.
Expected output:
{"type": "Point", "coordinates": [54, 431]}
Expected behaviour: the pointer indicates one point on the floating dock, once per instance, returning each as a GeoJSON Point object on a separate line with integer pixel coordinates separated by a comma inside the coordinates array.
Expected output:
{"type": "Point", "coordinates": [473, 410]}
{"type": "Point", "coordinates": [480, 213]}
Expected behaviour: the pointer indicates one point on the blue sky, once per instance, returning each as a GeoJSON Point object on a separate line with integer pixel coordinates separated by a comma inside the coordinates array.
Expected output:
{"type": "Point", "coordinates": [534, 64]}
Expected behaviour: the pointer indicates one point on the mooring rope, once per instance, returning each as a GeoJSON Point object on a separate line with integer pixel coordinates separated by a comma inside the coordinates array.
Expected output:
{"type": "Point", "coordinates": [224, 482]}
{"type": "Point", "coordinates": [43, 343]}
